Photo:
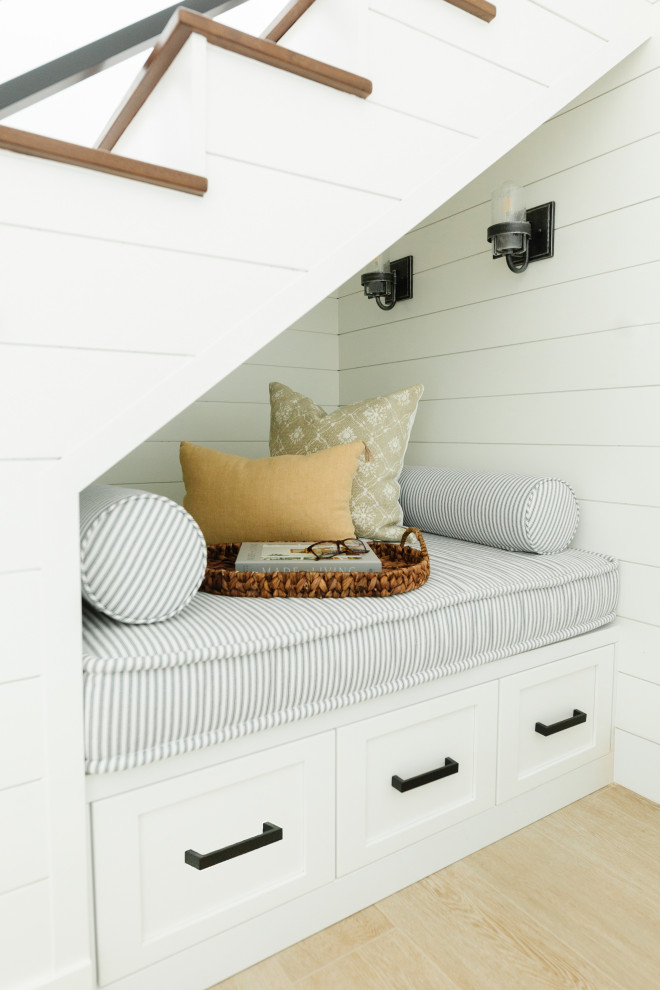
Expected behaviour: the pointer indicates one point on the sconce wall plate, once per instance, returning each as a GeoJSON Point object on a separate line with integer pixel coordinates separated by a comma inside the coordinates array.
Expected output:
{"type": "Point", "coordinates": [404, 277]}
{"type": "Point", "coordinates": [542, 241]}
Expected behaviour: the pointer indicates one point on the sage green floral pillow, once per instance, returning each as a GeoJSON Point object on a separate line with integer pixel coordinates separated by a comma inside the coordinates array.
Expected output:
{"type": "Point", "coordinates": [299, 426]}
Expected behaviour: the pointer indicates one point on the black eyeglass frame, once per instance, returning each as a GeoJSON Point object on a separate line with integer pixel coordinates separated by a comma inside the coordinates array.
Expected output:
{"type": "Point", "coordinates": [339, 544]}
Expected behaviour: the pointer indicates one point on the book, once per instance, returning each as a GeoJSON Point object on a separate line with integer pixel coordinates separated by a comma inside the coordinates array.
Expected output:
{"type": "Point", "coordinates": [267, 557]}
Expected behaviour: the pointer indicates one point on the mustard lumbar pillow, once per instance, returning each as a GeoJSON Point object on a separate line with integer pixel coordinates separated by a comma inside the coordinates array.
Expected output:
{"type": "Point", "coordinates": [294, 497]}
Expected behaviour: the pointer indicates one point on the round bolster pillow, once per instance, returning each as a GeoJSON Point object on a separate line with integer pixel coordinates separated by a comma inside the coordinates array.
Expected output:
{"type": "Point", "coordinates": [142, 556]}
{"type": "Point", "coordinates": [509, 511]}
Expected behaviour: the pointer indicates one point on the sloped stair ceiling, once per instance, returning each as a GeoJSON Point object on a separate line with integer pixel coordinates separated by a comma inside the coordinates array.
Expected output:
{"type": "Point", "coordinates": [306, 184]}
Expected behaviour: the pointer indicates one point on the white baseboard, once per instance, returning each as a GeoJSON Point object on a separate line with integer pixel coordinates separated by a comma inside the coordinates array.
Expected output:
{"type": "Point", "coordinates": [637, 764]}
{"type": "Point", "coordinates": [80, 978]}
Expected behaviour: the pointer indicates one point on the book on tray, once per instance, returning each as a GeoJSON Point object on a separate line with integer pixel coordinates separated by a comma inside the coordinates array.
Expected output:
{"type": "Point", "coordinates": [268, 557]}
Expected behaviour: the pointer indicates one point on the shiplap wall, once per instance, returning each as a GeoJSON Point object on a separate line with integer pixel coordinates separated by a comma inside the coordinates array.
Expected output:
{"type": "Point", "coordinates": [234, 416]}
{"type": "Point", "coordinates": [121, 302]}
{"type": "Point", "coordinates": [556, 371]}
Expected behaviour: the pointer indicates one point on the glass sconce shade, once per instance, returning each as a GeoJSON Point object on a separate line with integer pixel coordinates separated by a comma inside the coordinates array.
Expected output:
{"type": "Point", "coordinates": [380, 282]}
{"type": "Point", "coordinates": [508, 203]}
{"type": "Point", "coordinates": [509, 231]}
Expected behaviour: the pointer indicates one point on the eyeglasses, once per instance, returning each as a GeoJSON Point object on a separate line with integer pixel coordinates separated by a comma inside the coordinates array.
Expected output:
{"type": "Point", "coordinates": [330, 548]}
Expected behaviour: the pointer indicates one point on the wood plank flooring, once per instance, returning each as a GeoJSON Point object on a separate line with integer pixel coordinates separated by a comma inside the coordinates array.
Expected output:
{"type": "Point", "coordinates": [572, 901]}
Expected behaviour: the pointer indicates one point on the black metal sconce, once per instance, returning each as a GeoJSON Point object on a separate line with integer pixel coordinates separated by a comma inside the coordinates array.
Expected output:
{"type": "Point", "coordinates": [390, 282]}
{"type": "Point", "coordinates": [518, 234]}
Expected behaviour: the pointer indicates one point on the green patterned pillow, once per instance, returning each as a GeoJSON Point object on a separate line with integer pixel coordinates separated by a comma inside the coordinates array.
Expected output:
{"type": "Point", "coordinates": [299, 426]}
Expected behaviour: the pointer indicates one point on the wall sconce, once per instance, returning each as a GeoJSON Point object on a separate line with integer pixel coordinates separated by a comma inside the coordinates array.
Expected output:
{"type": "Point", "coordinates": [518, 234]}
{"type": "Point", "coordinates": [390, 282]}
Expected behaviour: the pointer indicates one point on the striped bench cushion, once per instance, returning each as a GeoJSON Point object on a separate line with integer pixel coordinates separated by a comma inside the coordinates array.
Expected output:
{"type": "Point", "coordinates": [226, 667]}
{"type": "Point", "coordinates": [142, 556]}
{"type": "Point", "coordinates": [510, 511]}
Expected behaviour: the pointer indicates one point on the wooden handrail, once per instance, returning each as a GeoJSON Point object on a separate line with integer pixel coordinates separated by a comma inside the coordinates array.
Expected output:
{"type": "Point", "coordinates": [26, 143]}
{"type": "Point", "coordinates": [186, 22]}
{"type": "Point", "coordinates": [480, 8]}
{"type": "Point", "coordinates": [280, 27]}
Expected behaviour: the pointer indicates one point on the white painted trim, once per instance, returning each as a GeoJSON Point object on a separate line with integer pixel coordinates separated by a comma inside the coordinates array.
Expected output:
{"type": "Point", "coordinates": [220, 957]}
{"type": "Point", "coordinates": [79, 977]}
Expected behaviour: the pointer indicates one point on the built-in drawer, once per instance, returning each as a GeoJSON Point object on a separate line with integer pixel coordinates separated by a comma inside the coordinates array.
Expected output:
{"type": "Point", "coordinates": [553, 719]}
{"type": "Point", "coordinates": [408, 774]}
{"type": "Point", "coordinates": [268, 822]}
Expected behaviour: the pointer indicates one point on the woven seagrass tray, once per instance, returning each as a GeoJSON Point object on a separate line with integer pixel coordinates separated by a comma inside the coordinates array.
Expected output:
{"type": "Point", "coordinates": [404, 568]}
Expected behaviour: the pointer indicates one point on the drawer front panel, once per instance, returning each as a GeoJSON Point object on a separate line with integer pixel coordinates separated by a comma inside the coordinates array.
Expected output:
{"type": "Point", "coordinates": [150, 900]}
{"type": "Point", "coordinates": [553, 719]}
{"type": "Point", "coordinates": [408, 774]}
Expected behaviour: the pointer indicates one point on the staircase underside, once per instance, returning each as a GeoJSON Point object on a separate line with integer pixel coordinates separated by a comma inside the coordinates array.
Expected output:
{"type": "Point", "coordinates": [147, 298]}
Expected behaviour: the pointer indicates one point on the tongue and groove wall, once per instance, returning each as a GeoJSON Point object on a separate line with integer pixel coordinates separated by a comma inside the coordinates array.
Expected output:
{"type": "Point", "coordinates": [122, 303]}
{"type": "Point", "coordinates": [234, 416]}
{"type": "Point", "coordinates": [556, 371]}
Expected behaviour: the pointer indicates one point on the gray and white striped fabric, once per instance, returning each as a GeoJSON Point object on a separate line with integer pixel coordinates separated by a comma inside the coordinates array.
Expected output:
{"type": "Point", "coordinates": [510, 511]}
{"type": "Point", "coordinates": [143, 557]}
{"type": "Point", "coordinates": [226, 667]}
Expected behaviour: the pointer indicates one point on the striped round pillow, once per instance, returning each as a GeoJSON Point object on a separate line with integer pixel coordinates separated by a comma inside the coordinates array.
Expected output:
{"type": "Point", "coordinates": [143, 557]}
{"type": "Point", "coordinates": [509, 511]}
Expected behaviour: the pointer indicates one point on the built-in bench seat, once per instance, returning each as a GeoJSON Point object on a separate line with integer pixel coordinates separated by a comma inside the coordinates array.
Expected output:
{"type": "Point", "coordinates": [323, 753]}
{"type": "Point", "coordinates": [226, 667]}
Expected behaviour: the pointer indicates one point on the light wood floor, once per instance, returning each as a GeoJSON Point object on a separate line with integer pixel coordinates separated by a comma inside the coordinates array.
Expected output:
{"type": "Point", "coordinates": [572, 901]}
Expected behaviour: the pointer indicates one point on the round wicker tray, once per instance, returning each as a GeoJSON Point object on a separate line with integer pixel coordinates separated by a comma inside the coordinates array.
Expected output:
{"type": "Point", "coordinates": [404, 568]}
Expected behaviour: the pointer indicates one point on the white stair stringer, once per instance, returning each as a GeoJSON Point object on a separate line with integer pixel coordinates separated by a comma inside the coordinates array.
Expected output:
{"type": "Point", "coordinates": [122, 303]}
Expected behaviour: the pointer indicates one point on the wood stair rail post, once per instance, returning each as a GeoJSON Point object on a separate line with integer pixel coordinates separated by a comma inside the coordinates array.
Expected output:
{"type": "Point", "coordinates": [186, 22]}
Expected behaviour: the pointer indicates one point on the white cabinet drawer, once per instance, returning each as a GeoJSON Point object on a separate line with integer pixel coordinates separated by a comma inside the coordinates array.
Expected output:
{"type": "Point", "coordinates": [543, 731]}
{"type": "Point", "coordinates": [151, 903]}
{"type": "Point", "coordinates": [376, 814]}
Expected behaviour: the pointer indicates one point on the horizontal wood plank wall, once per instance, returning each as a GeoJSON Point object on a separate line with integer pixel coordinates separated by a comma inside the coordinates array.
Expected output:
{"type": "Point", "coordinates": [234, 416]}
{"type": "Point", "coordinates": [120, 305]}
{"type": "Point", "coordinates": [554, 371]}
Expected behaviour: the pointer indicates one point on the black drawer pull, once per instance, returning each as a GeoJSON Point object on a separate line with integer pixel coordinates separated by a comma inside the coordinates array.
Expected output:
{"type": "Point", "coordinates": [549, 730]}
{"type": "Point", "coordinates": [201, 861]}
{"type": "Point", "coordinates": [451, 766]}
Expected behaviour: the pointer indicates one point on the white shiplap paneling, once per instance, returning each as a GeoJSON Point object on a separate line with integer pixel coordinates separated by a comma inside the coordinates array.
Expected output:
{"type": "Point", "coordinates": [553, 372]}
{"type": "Point", "coordinates": [24, 851]}
{"type": "Point", "coordinates": [26, 960]}
{"type": "Point", "coordinates": [104, 280]}
{"type": "Point", "coordinates": [21, 732]}
{"type": "Point", "coordinates": [20, 653]}
{"type": "Point", "coordinates": [234, 415]}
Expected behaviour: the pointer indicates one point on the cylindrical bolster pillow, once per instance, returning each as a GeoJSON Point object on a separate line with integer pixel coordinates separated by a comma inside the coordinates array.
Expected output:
{"type": "Point", "coordinates": [143, 557]}
{"type": "Point", "coordinates": [510, 511]}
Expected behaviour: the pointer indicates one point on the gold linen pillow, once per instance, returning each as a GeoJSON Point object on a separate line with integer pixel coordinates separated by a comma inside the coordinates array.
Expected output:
{"type": "Point", "coordinates": [299, 426]}
{"type": "Point", "coordinates": [235, 499]}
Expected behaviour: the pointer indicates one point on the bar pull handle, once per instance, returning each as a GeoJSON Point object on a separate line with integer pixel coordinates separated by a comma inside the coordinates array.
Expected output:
{"type": "Point", "coordinates": [201, 861]}
{"type": "Point", "coordinates": [450, 766]}
{"type": "Point", "coordinates": [549, 730]}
